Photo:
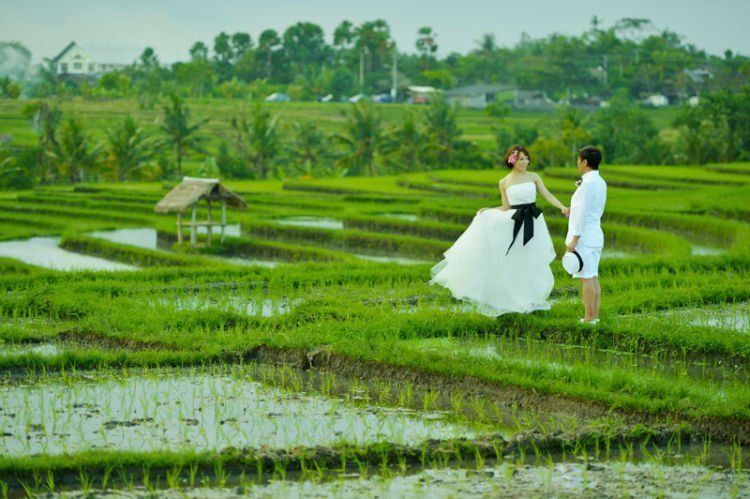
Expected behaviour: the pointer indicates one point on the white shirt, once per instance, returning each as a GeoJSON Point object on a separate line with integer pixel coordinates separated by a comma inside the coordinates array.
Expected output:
{"type": "Point", "coordinates": [586, 210]}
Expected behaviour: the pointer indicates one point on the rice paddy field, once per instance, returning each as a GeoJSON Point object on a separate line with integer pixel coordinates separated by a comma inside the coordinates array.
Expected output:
{"type": "Point", "coordinates": [306, 354]}
{"type": "Point", "coordinates": [100, 115]}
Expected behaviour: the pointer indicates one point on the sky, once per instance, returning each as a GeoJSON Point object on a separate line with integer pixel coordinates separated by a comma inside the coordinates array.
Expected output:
{"type": "Point", "coordinates": [119, 30]}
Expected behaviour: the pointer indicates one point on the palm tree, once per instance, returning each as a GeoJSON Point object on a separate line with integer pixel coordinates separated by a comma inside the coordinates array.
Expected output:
{"type": "Point", "coordinates": [7, 163]}
{"type": "Point", "coordinates": [45, 120]}
{"type": "Point", "coordinates": [442, 130]}
{"type": "Point", "coordinates": [75, 153]}
{"type": "Point", "coordinates": [179, 130]}
{"type": "Point", "coordinates": [308, 148]}
{"type": "Point", "coordinates": [5, 166]}
{"type": "Point", "coordinates": [362, 138]}
{"type": "Point", "coordinates": [405, 146]}
{"type": "Point", "coordinates": [573, 130]}
{"type": "Point", "coordinates": [257, 139]}
{"type": "Point", "coordinates": [128, 149]}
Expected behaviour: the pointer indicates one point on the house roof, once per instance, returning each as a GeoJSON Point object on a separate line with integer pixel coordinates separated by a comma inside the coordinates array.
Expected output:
{"type": "Point", "coordinates": [698, 75]}
{"type": "Point", "coordinates": [420, 89]}
{"type": "Point", "coordinates": [64, 51]}
{"type": "Point", "coordinates": [477, 89]}
{"type": "Point", "coordinates": [192, 190]}
{"type": "Point", "coordinates": [102, 54]}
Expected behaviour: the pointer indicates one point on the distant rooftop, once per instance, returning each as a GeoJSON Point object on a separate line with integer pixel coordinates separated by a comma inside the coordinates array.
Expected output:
{"type": "Point", "coordinates": [104, 53]}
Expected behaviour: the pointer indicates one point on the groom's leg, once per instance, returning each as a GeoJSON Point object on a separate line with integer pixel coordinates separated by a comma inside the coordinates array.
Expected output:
{"type": "Point", "coordinates": [588, 293]}
{"type": "Point", "coordinates": [597, 298]}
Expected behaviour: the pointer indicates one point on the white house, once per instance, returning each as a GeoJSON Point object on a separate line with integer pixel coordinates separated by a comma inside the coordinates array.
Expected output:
{"type": "Point", "coordinates": [656, 100]}
{"type": "Point", "coordinates": [476, 96]}
{"type": "Point", "coordinates": [420, 94]}
{"type": "Point", "coordinates": [73, 60]}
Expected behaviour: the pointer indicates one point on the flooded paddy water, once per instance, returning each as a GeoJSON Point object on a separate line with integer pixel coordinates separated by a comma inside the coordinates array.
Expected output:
{"type": "Point", "coordinates": [407, 217]}
{"type": "Point", "coordinates": [391, 259]}
{"type": "Point", "coordinates": [197, 410]}
{"type": "Point", "coordinates": [544, 352]}
{"type": "Point", "coordinates": [612, 254]}
{"type": "Point", "coordinates": [593, 479]}
{"type": "Point", "coordinates": [45, 252]}
{"type": "Point", "coordinates": [706, 250]}
{"type": "Point", "coordinates": [315, 222]}
{"type": "Point", "coordinates": [46, 349]}
{"type": "Point", "coordinates": [141, 238]}
{"type": "Point", "coordinates": [231, 302]}
{"type": "Point", "coordinates": [210, 409]}
{"type": "Point", "coordinates": [148, 238]}
{"type": "Point", "coordinates": [733, 317]}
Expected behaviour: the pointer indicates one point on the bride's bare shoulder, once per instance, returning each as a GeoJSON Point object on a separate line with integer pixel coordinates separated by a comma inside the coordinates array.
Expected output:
{"type": "Point", "coordinates": [504, 181]}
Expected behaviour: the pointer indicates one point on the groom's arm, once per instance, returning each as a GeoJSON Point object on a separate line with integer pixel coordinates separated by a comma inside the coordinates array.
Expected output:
{"type": "Point", "coordinates": [577, 212]}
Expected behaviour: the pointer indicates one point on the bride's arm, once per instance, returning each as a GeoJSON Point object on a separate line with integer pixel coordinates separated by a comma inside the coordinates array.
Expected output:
{"type": "Point", "coordinates": [506, 203]}
{"type": "Point", "coordinates": [549, 196]}
{"type": "Point", "coordinates": [504, 206]}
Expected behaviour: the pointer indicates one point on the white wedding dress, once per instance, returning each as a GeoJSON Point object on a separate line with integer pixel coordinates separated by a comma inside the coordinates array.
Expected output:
{"type": "Point", "coordinates": [477, 269]}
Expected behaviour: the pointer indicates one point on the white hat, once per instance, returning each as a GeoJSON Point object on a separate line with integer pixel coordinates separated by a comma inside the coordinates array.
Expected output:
{"type": "Point", "coordinates": [572, 262]}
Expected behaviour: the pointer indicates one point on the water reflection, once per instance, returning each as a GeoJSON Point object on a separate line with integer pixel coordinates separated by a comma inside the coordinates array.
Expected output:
{"type": "Point", "coordinates": [315, 222]}
{"type": "Point", "coordinates": [390, 259]}
{"type": "Point", "coordinates": [45, 252]}
{"type": "Point", "coordinates": [148, 238]}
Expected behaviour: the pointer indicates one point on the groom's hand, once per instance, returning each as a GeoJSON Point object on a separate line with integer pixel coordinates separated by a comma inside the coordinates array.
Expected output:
{"type": "Point", "coordinates": [572, 246]}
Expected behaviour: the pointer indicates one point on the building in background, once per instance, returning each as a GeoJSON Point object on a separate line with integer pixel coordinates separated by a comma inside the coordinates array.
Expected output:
{"type": "Point", "coordinates": [75, 61]}
{"type": "Point", "coordinates": [478, 96]}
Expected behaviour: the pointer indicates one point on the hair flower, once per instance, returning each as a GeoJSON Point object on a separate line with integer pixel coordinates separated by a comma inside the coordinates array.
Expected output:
{"type": "Point", "coordinates": [513, 158]}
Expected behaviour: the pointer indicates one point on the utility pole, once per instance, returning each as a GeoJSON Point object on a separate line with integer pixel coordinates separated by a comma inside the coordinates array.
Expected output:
{"type": "Point", "coordinates": [362, 53]}
{"type": "Point", "coordinates": [394, 73]}
{"type": "Point", "coordinates": [606, 71]}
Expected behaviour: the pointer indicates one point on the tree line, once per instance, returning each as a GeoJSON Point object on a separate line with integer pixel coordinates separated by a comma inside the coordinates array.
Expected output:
{"type": "Point", "coordinates": [429, 137]}
{"type": "Point", "coordinates": [630, 56]}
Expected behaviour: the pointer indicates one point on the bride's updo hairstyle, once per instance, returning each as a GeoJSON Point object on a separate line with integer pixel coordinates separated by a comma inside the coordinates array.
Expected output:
{"type": "Point", "coordinates": [512, 155]}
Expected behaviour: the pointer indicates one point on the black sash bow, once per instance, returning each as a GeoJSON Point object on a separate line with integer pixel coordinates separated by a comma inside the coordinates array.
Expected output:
{"type": "Point", "coordinates": [524, 215]}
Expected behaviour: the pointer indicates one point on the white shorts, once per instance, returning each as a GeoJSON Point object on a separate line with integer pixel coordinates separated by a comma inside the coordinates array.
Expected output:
{"type": "Point", "coordinates": [590, 257]}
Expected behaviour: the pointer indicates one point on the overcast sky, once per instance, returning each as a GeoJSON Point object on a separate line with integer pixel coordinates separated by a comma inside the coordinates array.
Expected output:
{"type": "Point", "coordinates": [119, 30]}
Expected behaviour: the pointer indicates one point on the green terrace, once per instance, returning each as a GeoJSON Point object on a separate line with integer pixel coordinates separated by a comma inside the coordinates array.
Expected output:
{"type": "Point", "coordinates": [318, 302]}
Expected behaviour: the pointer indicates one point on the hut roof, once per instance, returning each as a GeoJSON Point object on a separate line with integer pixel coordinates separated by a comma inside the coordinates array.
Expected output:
{"type": "Point", "coordinates": [191, 190]}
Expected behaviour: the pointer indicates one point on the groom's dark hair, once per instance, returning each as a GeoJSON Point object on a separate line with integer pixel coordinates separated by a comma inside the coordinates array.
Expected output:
{"type": "Point", "coordinates": [592, 155]}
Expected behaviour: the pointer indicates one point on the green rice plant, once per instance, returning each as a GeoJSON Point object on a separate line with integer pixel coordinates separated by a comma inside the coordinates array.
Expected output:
{"type": "Point", "coordinates": [735, 458]}
{"type": "Point", "coordinates": [50, 481]}
{"type": "Point", "coordinates": [405, 395]}
{"type": "Point", "coordinates": [221, 476]}
{"type": "Point", "coordinates": [85, 482]}
{"type": "Point", "coordinates": [429, 400]}
{"type": "Point", "coordinates": [173, 477]}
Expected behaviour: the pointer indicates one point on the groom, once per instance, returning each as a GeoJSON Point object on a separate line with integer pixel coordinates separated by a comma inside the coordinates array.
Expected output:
{"type": "Point", "coordinates": [584, 228]}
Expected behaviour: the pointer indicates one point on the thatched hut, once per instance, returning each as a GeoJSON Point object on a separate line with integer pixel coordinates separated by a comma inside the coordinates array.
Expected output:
{"type": "Point", "coordinates": [188, 194]}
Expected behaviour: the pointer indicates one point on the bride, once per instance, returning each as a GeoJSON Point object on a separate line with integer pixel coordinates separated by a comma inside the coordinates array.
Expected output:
{"type": "Point", "coordinates": [501, 261]}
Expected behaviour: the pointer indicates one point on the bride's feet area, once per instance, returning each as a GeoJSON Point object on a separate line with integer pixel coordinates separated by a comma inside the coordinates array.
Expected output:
{"type": "Point", "coordinates": [591, 322]}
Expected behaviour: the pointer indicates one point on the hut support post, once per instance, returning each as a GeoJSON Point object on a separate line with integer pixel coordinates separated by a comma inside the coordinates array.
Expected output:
{"type": "Point", "coordinates": [179, 227]}
{"type": "Point", "coordinates": [223, 217]}
{"type": "Point", "coordinates": [193, 228]}
{"type": "Point", "coordinates": [209, 227]}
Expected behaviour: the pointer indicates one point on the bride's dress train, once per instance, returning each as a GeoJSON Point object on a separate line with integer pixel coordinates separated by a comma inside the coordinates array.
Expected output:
{"type": "Point", "coordinates": [477, 269]}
